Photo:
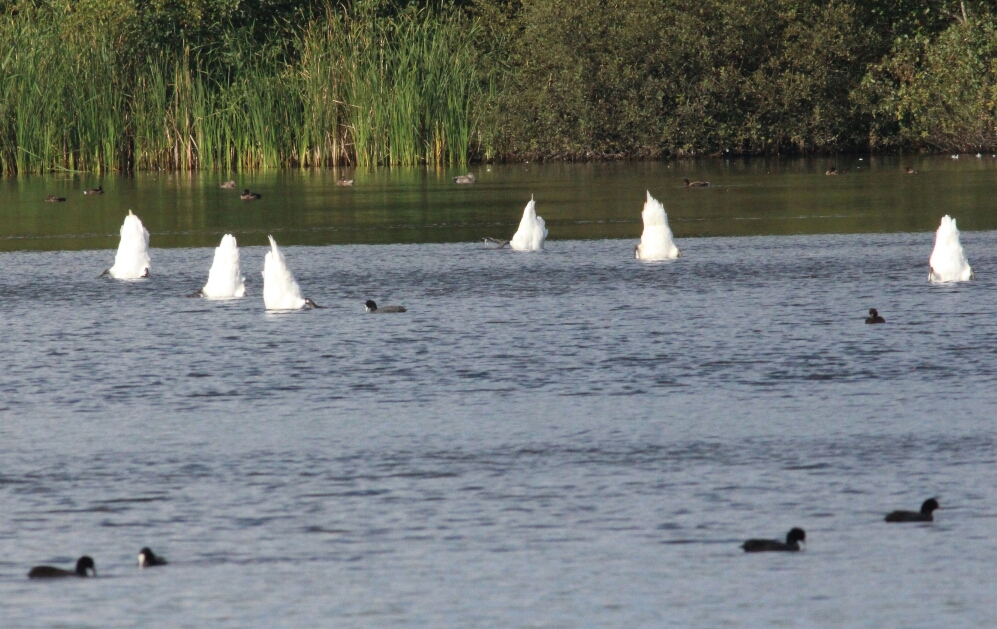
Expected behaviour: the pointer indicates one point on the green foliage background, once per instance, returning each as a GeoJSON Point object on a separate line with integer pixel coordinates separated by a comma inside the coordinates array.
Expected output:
{"type": "Point", "coordinates": [237, 84]}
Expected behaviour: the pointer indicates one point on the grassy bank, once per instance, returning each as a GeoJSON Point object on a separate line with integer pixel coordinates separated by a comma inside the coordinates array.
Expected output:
{"type": "Point", "coordinates": [119, 85]}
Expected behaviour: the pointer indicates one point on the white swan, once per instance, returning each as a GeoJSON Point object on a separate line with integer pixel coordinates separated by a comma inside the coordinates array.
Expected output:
{"type": "Point", "coordinates": [280, 289]}
{"type": "Point", "coordinates": [225, 279]}
{"type": "Point", "coordinates": [948, 261]}
{"type": "Point", "coordinates": [656, 243]}
{"type": "Point", "coordinates": [531, 233]}
{"type": "Point", "coordinates": [132, 259]}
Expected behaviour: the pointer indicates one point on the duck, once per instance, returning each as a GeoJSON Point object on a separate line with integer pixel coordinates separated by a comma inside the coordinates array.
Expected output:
{"type": "Point", "coordinates": [462, 179]}
{"type": "Point", "coordinates": [372, 307]}
{"type": "Point", "coordinates": [54, 199]}
{"type": "Point", "coordinates": [97, 190]}
{"type": "Point", "coordinates": [250, 196]}
{"type": "Point", "coordinates": [344, 182]}
{"type": "Point", "coordinates": [147, 558]}
{"type": "Point", "coordinates": [909, 170]}
{"type": "Point", "coordinates": [228, 185]}
{"type": "Point", "coordinates": [696, 184]}
{"type": "Point", "coordinates": [831, 171]}
{"type": "Point", "coordinates": [84, 566]}
{"type": "Point", "coordinates": [924, 515]}
{"type": "Point", "coordinates": [874, 317]}
{"type": "Point", "coordinates": [793, 539]}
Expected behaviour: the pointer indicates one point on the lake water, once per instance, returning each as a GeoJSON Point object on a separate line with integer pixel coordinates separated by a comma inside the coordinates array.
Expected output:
{"type": "Point", "coordinates": [565, 439]}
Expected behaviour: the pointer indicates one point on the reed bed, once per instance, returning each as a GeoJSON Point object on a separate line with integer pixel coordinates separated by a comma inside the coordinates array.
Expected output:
{"type": "Point", "coordinates": [354, 89]}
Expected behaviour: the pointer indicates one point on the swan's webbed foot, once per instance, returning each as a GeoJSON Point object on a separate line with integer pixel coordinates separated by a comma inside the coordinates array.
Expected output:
{"type": "Point", "coordinates": [198, 293]}
{"type": "Point", "coordinates": [105, 273]}
{"type": "Point", "coordinates": [145, 273]}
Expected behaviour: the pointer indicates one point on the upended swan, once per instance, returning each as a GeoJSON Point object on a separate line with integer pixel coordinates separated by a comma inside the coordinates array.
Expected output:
{"type": "Point", "coordinates": [225, 280]}
{"type": "Point", "coordinates": [131, 262]}
{"type": "Point", "coordinates": [948, 261]}
{"type": "Point", "coordinates": [656, 243]}
{"type": "Point", "coordinates": [280, 289]}
{"type": "Point", "coordinates": [532, 231]}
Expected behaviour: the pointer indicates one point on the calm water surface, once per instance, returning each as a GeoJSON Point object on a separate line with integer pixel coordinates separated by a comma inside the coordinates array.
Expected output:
{"type": "Point", "coordinates": [564, 439]}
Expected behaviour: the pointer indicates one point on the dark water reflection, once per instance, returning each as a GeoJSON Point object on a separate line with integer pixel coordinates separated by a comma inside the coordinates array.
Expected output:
{"type": "Point", "coordinates": [579, 201]}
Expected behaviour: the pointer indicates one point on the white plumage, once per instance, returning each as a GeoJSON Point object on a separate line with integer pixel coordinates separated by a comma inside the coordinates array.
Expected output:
{"type": "Point", "coordinates": [948, 261]}
{"type": "Point", "coordinates": [656, 243]}
{"type": "Point", "coordinates": [132, 259]}
{"type": "Point", "coordinates": [532, 231]}
{"type": "Point", "coordinates": [225, 279]}
{"type": "Point", "coordinates": [280, 289]}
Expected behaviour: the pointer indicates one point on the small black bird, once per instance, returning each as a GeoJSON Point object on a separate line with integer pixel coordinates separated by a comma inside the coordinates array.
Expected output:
{"type": "Point", "coordinates": [793, 539]}
{"type": "Point", "coordinates": [372, 307]}
{"type": "Point", "coordinates": [924, 515]}
{"type": "Point", "coordinates": [54, 199]}
{"type": "Point", "coordinates": [97, 190]}
{"type": "Point", "coordinates": [147, 558]}
{"type": "Point", "coordinates": [84, 564]}
{"type": "Point", "coordinates": [874, 317]}
{"type": "Point", "coordinates": [250, 196]}
{"type": "Point", "coordinates": [696, 184]}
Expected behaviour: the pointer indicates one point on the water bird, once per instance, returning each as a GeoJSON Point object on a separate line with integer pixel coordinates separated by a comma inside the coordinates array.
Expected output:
{"type": "Point", "coordinates": [793, 539]}
{"type": "Point", "coordinates": [84, 566]}
{"type": "Point", "coordinates": [532, 232]}
{"type": "Point", "coordinates": [228, 185]}
{"type": "Point", "coordinates": [924, 515]}
{"type": "Point", "coordinates": [656, 243]}
{"type": "Point", "coordinates": [344, 182]}
{"type": "Point", "coordinates": [370, 306]}
{"type": "Point", "coordinates": [955, 157]}
{"type": "Point", "coordinates": [909, 170]}
{"type": "Point", "coordinates": [831, 171]}
{"type": "Point", "coordinates": [131, 262]}
{"type": "Point", "coordinates": [280, 289]}
{"type": "Point", "coordinates": [147, 558]}
{"type": "Point", "coordinates": [468, 178]}
{"type": "Point", "coordinates": [696, 184]}
{"type": "Point", "coordinates": [874, 317]}
{"type": "Point", "coordinates": [979, 156]}
{"type": "Point", "coordinates": [250, 196]}
{"type": "Point", "coordinates": [495, 241]}
{"type": "Point", "coordinates": [225, 280]}
{"type": "Point", "coordinates": [97, 190]}
{"type": "Point", "coordinates": [54, 199]}
{"type": "Point", "coordinates": [948, 261]}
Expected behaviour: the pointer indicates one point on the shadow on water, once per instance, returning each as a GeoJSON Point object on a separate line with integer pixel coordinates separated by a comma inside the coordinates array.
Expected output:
{"type": "Point", "coordinates": [579, 201]}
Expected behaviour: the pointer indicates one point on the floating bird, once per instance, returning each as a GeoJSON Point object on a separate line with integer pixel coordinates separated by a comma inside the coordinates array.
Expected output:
{"type": "Point", "coordinates": [532, 232]}
{"type": "Point", "coordinates": [793, 539]}
{"type": "Point", "coordinates": [225, 280]}
{"type": "Point", "coordinates": [228, 185]}
{"type": "Point", "coordinates": [924, 515]}
{"type": "Point", "coordinates": [147, 558]}
{"type": "Point", "coordinates": [979, 156]}
{"type": "Point", "coordinates": [495, 241]}
{"type": "Point", "coordinates": [955, 157]}
{"type": "Point", "coordinates": [372, 307]}
{"type": "Point", "coordinates": [909, 170]}
{"type": "Point", "coordinates": [468, 178]}
{"type": "Point", "coordinates": [948, 261]}
{"type": "Point", "coordinates": [131, 262]}
{"type": "Point", "coordinates": [83, 568]}
{"type": "Point", "coordinates": [831, 171]}
{"type": "Point", "coordinates": [280, 289]}
{"type": "Point", "coordinates": [54, 199]}
{"type": "Point", "coordinates": [874, 317]}
{"type": "Point", "coordinates": [656, 243]}
{"type": "Point", "coordinates": [344, 182]}
{"type": "Point", "coordinates": [250, 196]}
{"type": "Point", "coordinates": [97, 190]}
{"type": "Point", "coordinates": [696, 184]}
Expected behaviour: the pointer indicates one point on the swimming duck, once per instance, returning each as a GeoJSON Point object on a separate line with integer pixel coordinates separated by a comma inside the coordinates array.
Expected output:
{"type": "Point", "coordinates": [909, 170]}
{"type": "Point", "coordinates": [97, 190]}
{"type": "Point", "coordinates": [924, 515]}
{"type": "Point", "coordinates": [793, 539]}
{"type": "Point", "coordinates": [468, 178]}
{"type": "Point", "coordinates": [344, 182]}
{"type": "Point", "coordinates": [372, 307]}
{"type": "Point", "coordinates": [84, 564]}
{"type": "Point", "coordinates": [831, 171]}
{"type": "Point", "coordinates": [250, 196]}
{"type": "Point", "coordinates": [696, 184]}
{"type": "Point", "coordinates": [54, 199]}
{"type": "Point", "coordinates": [147, 558]}
{"type": "Point", "coordinates": [874, 317]}
{"type": "Point", "coordinates": [228, 185]}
